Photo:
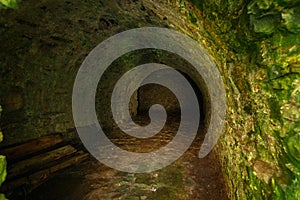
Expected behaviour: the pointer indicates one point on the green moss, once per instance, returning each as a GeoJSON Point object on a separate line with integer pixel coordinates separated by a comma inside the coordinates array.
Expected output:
{"type": "Point", "coordinates": [164, 193]}
{"type": "Point", "coordinates": [3, 163]}
{"type": "Point", "coordinates": [282, 86]}
{"type": "Point", "coordinates": [9, 3]}
{"type": "Point", "coordinates": [274, 108]}
{"type": "Point", "coordinates": [198, 3]}
{"type": "Point", "coordinates": [293, 192]}
{"type": "Point", "coordinates": [266, 25]}
{"type": "Point", "coordinates": [255, 188]}
{"type": "Point", "coordinates": [293, 146]}
{"type": "Point", "coordinates": [2, 169]}
{"type": "Point", "coordinates": [193, 19]}
{"type": "Point", "coordinates": [277, 191]}
{"type": "Point", "coordinates": [257, 43]}
{"type": "Point", "coordinates": [291, 19]}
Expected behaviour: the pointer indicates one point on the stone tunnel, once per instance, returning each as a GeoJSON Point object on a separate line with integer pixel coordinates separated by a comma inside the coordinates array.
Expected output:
{"type": "Point", "coordinates": [253, 44]}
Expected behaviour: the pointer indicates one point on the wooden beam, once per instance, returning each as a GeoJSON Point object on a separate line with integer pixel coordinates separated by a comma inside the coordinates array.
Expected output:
{"type": "Point", "coordinates": [33, 146]}
{"type": "Point", "coordinates": [34, 180]}
{"type": "Point", "coordinates": [39, 162]}
{"type": "Point", "coordinates": [40, 177]}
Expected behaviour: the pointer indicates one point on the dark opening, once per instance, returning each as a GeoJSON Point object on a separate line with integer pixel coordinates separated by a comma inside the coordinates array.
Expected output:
{"type": "Point", "coordinates": [151, 94]}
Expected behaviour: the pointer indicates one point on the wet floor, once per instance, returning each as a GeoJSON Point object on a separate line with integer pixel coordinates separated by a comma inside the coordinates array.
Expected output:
{"type": "Point", "coordinates": [187, 178]}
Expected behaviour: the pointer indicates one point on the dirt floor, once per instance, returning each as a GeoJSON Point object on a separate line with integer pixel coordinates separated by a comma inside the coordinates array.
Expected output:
{"type": "Point", "coordinates": [187, 178]}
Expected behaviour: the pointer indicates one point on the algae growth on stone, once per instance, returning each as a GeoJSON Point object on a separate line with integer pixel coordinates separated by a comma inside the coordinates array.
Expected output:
{"type": "Point", "coordinates": [255, 44]}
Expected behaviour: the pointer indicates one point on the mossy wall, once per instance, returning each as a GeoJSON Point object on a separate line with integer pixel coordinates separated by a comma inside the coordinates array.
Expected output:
{"type": "Point", "coordinates": [255, 45]}
{"type": "Point", "coordinates": [3, 172]}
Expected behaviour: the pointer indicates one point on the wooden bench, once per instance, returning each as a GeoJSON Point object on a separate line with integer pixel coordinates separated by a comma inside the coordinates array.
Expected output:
{"type": "Point", "coordinates": [30, 164]}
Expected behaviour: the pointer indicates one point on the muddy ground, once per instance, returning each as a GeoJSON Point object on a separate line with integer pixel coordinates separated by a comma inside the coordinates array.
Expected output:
{"type": "Point", "coordinates": [187, 178]}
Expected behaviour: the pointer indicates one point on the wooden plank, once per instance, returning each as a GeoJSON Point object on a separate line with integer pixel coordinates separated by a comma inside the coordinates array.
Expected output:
{"type": "Point", "coordinates": [37, 178]}
{"type": "Point", "coordinates": [34, 180]}
{"type": "Point", "coordinates": [39, 162]}
{"type": "Point", "coordinates": [8, 186]}
{"type": "Point", "coordinates": [16, 152]}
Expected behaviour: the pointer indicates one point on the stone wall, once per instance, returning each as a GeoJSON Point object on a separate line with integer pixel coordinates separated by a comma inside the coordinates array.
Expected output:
{"type": "Point", "coordinates": [43, 44]}
{"type": "Point", "coordinates": [256, 47]}
{"type": "Point", "coordinates": [3, 163]}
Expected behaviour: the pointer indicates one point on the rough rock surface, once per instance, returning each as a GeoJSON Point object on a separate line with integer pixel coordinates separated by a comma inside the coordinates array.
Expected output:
{"type": "Point", "coordinates": [255, 45]}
